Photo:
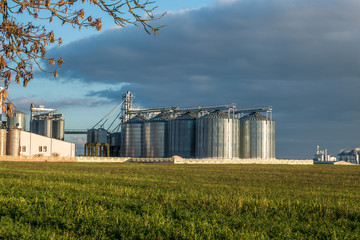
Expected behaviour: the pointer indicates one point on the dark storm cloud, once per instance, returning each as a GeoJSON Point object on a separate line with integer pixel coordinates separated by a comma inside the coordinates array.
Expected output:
{"type": "Point", "coordinates": [301, 57]}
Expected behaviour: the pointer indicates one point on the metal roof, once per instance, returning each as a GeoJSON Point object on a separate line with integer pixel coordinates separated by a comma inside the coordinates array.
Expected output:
{"type": "Point", "coordinates": [254, 116]}
{"type": "Point", "coordinates": [186, 116]}
{"type": "Point", "coordinates": [349, 152]}
{"type": "Point", "coordinates": [18, 111]}
{"type": "Point", "coordinates": [217, 114]}
{"type": "Point", "coordinates": [161, 117]}
{"type": "Point", "coordinates": [137, 119]}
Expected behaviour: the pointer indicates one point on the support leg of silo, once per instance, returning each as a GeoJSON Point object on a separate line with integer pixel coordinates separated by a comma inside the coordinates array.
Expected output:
{"type": "Point", "coordinates": [92, 150]}
{"type": "Point", "coordinates": [97, 148]}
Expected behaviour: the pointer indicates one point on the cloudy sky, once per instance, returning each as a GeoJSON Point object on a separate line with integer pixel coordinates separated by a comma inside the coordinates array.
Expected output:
{"type": "Point", "coordinates": [301, 57]}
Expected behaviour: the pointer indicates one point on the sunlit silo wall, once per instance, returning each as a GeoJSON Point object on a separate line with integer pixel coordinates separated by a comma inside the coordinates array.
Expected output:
{"type": "Point", "coordinates": [257, 137]}
{"type": "Point", "coordinates": [156, 137]}
{"type": "Point", "coordinates": [45, 127]}
{"type": "Point", "coordinates": [132, 137]}
{"type": "Point", "coordinates": [217, 136]}
{"type": "Point", "coordinates": [182, 136]}
{"type": "Point", "coordinates": [13, 142]}
{"type": "Point", "coordinates": [3, 134]}
{"type": "Point", "coordinates": [18, 120]}
{"type": "Point", "coordinates": [58, 126]}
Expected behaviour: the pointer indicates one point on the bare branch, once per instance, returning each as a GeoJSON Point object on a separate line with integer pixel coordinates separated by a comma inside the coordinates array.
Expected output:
{"type": "Point", "coordinates": [23, 45]}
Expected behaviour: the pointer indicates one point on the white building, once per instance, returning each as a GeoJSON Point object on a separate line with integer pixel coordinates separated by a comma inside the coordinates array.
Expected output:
{"type": "Point", "coordinates": [322, 155]}
{"type": "Point", "coordinates": [32, 144]}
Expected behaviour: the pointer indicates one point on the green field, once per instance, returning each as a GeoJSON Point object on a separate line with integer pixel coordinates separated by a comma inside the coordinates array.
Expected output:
{"type": "Point", "coordinates": [164, 201]}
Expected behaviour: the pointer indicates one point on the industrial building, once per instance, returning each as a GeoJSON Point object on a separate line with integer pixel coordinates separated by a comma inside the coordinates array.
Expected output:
{"type": "Point", "coordinates": [44, 139]}
{"type": "Point", "coordinates": [350, 155]}
{"type": "Point", "coordinates": [323, 156]}
{"type": "Point", "coordinates": [199, 132]}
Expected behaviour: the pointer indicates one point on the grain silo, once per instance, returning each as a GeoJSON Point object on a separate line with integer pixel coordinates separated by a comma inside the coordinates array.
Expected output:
{"type": "Point", "coordinates": [34, 126]}
{"type": "Point", "coordinates": [115, 139]}
{"type": "Point", "coordinates": [115, 144]}
{"type": "Point", "coordinates": [90, 136]}
{"type": "Point", "coordinates": [58, 126]}
{"type": "Point", "coordinates": [182, 136]}
{"type": "Point", "coordinates": [156, 136]}
{"type": "Point", "coordinates": [18, 120]}
{"type": "Point", "coordinates": [100, 135]}
{"type": "Point", "coordinates": [257, 137]}
{"type": "Point", "coordinates": [3, 134]}
{"type": "Point", "coordinates": [13, 142]}
{"type": "Point", "coordinates": [45, 127]}
{"type": "Point", "coordinates": [132, 137]}
{"type": "Point", "coordinates": [217, 136]}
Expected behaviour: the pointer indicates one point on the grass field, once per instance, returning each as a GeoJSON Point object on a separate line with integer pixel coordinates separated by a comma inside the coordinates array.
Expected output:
{"type": "Point", "coordinates": [163, 201]}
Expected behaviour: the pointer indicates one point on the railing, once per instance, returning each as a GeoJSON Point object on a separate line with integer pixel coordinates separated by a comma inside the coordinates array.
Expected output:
{"type": "Point", "coordinates": [76, 131]}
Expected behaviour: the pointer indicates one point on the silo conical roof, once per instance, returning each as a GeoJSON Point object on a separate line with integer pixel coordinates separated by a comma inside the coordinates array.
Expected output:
{"type": "Point", "coordinates": [162, 117]}
{"type": "Point", "coordinates": [254, 116]}
{"type": "Point", "coordinates": [186, 116]}
{"type": "Point", "coordinates": [217, 114]}
{"type": "Point", "coordinates": [137, 119]}
{"type": "Point", "coordinates": [18, 111]}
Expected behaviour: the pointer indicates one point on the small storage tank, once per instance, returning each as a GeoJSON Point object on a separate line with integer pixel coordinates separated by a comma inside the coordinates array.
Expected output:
{"type": "Point", "coordinates": [257, 137]}
{"type": "Point", "coordinates": [217, 136]}
{"type": "Point", "coordinates": [58, 126]}
{"type": "Point", "coordinates": [18, 120]}
{"type": "Point", "coordinates": [182, 136]}
{"type": "Point", "coordinates": [3, 134]}
{"type": "Point", "coordinates": [115, 139]}
{"type": "Point", "coordinates": [13, 142]}
{"type": "Point", "coordinates": [90, 136]}
{"type": "Point", "coordinates": [132, 137]}
{"type": "Point", "coordinates": [156, 136]}
{"type": "Point", "coordinates": [115, 144]}
{"type": "Point", "coordinates": [100, 135]}
{"type": "Point", "coordinates": [45, 127]}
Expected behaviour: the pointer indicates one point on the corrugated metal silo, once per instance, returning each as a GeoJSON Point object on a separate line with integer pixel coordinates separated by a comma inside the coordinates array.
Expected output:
{"type": "Point", "coordinates": [156, 136]}
{"type": "Point", "coordinates": [90, 136]}
{"type": "Point", "coordinates": [3, 134]}
{"type": "Point", "coordinates": [132, 132]}
{"type": "Point", "coordinates": [18, 120]}
{"type": "Point", "coordinates": [13, 142]}
{"type": "Point", "coordinates": [257, 137]}
{"type": "Point", "coordinates": [217, 136]}
{"type": "Point", "coordinates": [45, 127]}
{"type": "Point", "coordinates": [115, 139]}
{"type": "Point", "coordinates": [115, 144]}
{"type": "Point", "coordinates": [101, 135]}
{"type": "Point", "coordinates": [182, 136]}
{"type": "Point", "coordinates": [58, 129]}
{"type": "Point", "coordinates": [34, 126]}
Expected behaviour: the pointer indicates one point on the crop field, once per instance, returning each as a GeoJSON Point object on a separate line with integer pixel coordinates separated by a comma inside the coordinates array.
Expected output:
{"type": "Point", "coordinates": [164, 201]}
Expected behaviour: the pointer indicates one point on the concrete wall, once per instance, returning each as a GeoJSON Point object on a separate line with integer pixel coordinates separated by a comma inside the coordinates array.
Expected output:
{"type": "Point", "coordinates": [152, 160]}
{"type": "Point", "coordinates": [32, 144]}
{"type": "Point", "coordinates": [174, 160]}
{"type": "Point", "coordinates": [178, 160]}
{"type": "Point", "coordinates": [240, 161]}
{"type": "Point", "coordinates": [103, 159]}
{"type": "Point", "coordinates": [36, 159]}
